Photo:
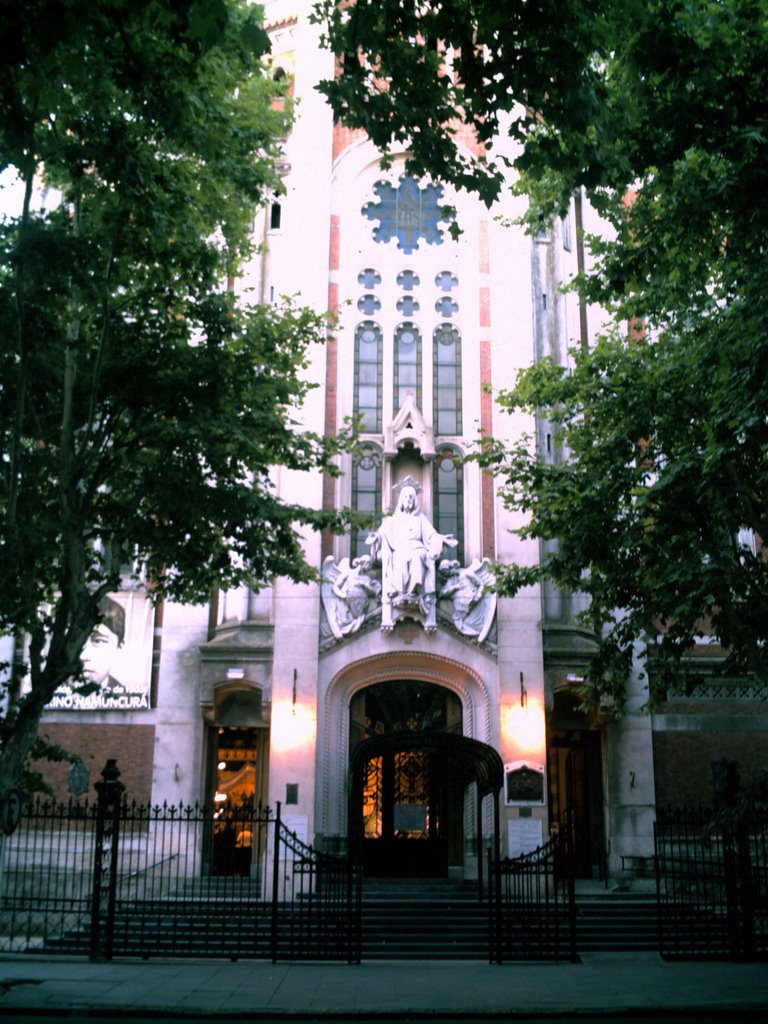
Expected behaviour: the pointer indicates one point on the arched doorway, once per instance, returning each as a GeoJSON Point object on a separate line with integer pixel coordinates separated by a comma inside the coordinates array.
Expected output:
{"type": "Point", "coordinates": [410, 768]}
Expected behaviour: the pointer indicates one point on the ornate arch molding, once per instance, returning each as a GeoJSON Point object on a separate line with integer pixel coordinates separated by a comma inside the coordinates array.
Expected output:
{"type": "Point", "coordinates": [465, 682]}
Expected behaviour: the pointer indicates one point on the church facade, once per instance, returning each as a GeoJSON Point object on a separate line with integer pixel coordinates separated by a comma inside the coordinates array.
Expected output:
{"type": "Point", "coordinates": [375, 705]}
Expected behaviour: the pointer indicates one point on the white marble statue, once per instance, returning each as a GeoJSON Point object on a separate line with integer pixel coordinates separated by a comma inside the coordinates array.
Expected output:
{"type": "Point", "coordinates": [474, 599]}
{"type": "Point", "coordinates": [408, 547]}
{"type": "Point", "coordinates": [346, 591]}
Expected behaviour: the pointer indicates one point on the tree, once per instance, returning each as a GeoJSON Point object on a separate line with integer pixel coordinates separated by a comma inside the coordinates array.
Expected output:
{"type": "Point", "coordinates": [653, 109]}
{"type": "Point", "coordinates": [142, 406]}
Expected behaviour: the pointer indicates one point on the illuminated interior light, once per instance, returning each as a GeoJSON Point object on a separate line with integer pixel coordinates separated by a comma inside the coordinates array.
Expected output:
{"type": "Point", "coordinates": [524, 726]}
{"type": "Point", "coordinates": [293, 726]}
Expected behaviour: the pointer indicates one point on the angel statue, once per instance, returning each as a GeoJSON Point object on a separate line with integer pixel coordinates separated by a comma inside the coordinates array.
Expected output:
{"type": "Point", "coordinates": [474, 599]}
{"type": "Point", "coordinates": [346, 591]}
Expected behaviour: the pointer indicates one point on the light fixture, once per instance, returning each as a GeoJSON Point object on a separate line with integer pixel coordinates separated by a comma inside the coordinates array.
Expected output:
{"type": "Point", "coordinates": [292, 727]}
{"type": "Point", "coordinates": [523, 693]}
{"type": "Point", "coordinates": [221, 766]}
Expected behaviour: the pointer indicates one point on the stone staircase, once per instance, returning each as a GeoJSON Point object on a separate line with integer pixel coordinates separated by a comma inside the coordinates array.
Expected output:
{"type": "Point", "coordinates": [402, 919]}
{"type": "Point", "coordinates": [423, 919]}
{"type": "Point", "coordinates": [439, 919]}
{"type": "Point", "coordinates": [617, 922]}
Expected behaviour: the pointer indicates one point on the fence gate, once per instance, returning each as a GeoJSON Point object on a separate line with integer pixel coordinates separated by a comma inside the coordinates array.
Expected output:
{"type": "Point", "coordinates": [712, 884]}
{"type": "Point", "coordinates": [111, 879]}
{"type": "Point", "coordinates": [532, 904]}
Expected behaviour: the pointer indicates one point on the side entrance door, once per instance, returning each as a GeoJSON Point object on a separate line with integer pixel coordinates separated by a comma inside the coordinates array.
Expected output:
{"type": "Point", "coordinates": [575, 791]}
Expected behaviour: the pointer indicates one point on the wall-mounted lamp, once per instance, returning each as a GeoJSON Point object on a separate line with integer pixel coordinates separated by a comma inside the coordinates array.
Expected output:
{"type": "Point", "coordinates": [523, 692]}
{"type": "Point", "coordinates": [293, 704]}
{"type": "Point", "coordinates": [177, 772]}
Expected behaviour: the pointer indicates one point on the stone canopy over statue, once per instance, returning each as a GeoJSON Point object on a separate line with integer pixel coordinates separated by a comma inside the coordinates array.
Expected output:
{"type": "Point", "coordinates": [415, 575]}
{"type": "Point", "coordinates": [409, 547]}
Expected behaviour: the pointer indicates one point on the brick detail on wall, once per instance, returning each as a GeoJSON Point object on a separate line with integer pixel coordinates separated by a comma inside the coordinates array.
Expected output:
{"type": "Point", "coordinates": [484, 254]}
{"type": "Point", "coordinates": [682, 762]}
{"type": "Point", "coordinates": [334, 254]}
{"type": "Point", "coordinates": [344, 137]}
{"type": "Point", "coordinates": [331, 380]}
{"type": "Point", "coordinates": [485, 307]}
{"type": "Point", "coordinates": [132, 745]}
{"type": "Point", "coordinates": [486, 424]}
{"type": "Point", "coordinates": [466, 136]}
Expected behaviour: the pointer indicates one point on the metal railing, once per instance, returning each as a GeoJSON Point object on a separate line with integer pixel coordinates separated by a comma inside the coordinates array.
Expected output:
{"type": "Point", "coordinates": [712, 885]}
{"type": "Point", "coordinates": [532, 904]}
{"type": "Point", "coordinates": [47, 878]}
{"type": "Point", "coordinates": [316, 903]}
{"type": "Point", "coordinates": [115, 879]}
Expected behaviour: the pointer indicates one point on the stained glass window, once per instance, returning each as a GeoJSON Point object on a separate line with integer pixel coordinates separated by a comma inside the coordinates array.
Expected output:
{"type": "Point", "coordinates": [407, 364]}
{"type": "Point", "coordinates": [449, 498]}
{"type": "Point", "coordinates": [369, 278]}
{"type": "Point", "coordinates": [407, 280]}
{"type": "Point", "coordinates": [366, 493]}
{"type": "Point", "coordinates": [408, 213]}
{"type": "Point", "coordinates": [368, 351]}
{"type": "Point", "coordinates": [411, 795]}
{"type": "Point", "coordinates": [446, 306]}
{"type": "Point", "coordinates": [447, 382]}
{"type": "Point", "coordinates": [369, 304]}
{"type": "Point", "coordinates": [446, 281]}
{"type": "Point", "coordinates": [372, 799]}
{"type": "Point", "coordinates": [407, 305]}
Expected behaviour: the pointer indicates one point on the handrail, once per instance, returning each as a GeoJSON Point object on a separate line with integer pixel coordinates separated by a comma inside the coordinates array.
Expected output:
{"type": "Point", "coordinates": [150, 867]}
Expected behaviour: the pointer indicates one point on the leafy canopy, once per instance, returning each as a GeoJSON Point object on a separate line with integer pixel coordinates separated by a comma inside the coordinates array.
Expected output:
{"type": "Point", "coordinates": [654, 109]}
{"type": "Point", "coordinates": [143, 407]}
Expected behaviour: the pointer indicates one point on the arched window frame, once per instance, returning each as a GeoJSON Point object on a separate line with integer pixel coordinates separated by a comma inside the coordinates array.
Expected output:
{"type": "Point", "coordinates": [366, 493]}
{"type": "Point", "coordinates": [368, 377]}
{"type": "Point", "coordinates": [447, 408]}
{"type": "Point", "coordinates": [448, 496]}
{"type": "Point", "coordinates": [406, 372]}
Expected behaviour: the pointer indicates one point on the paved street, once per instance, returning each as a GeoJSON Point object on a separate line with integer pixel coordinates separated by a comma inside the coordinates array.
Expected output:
{"type": "Point", "coordinates": [604, 987]}
{"type": "Point", "coordinates": [736, 1017]}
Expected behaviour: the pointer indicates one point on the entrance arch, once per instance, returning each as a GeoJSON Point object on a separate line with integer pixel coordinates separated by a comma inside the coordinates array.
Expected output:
{"type": "Point", "coordinates": [471, 683]}
{"type": "Point", "coordinates": [412, 785]}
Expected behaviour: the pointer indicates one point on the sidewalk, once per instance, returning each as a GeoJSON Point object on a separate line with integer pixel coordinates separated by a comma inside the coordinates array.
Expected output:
{"type": "Point", "coordinates": [602, 985]}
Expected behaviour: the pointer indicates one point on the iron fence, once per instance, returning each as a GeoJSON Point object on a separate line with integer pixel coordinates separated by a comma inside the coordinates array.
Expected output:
{"type": "Point", "coordinates": [116, 879]}
{"type": "Point", "coordinates": [532, 904]}
{"type": "Point", "coordinates": [712, 885]}
{"type": "Point", "coordinates": [46, 878]}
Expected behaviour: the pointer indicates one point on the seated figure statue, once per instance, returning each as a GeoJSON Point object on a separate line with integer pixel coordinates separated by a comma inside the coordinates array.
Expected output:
{"type": "Point", "coordinates": [408, 546]}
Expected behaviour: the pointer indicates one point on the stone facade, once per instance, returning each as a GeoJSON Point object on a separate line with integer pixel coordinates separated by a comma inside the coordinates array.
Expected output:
{"type": "Point", "coordinates": [269, 678]}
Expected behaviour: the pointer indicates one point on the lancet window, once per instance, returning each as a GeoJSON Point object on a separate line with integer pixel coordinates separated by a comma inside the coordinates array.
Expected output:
{"type": "Point", "coordinates": [368, 359]}
{"type": "Point", "coordinates": [366, 493]}
{"type": "Point", "coordinates": [447, 380]}
{"type": "Point", "coordinates": [407, 364]}
{"type": "Point", "coordinates": [449, 497]}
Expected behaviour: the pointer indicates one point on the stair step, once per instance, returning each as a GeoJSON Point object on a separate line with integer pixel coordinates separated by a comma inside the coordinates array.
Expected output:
{"type": "Point", "coordinates": [432, 919]}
